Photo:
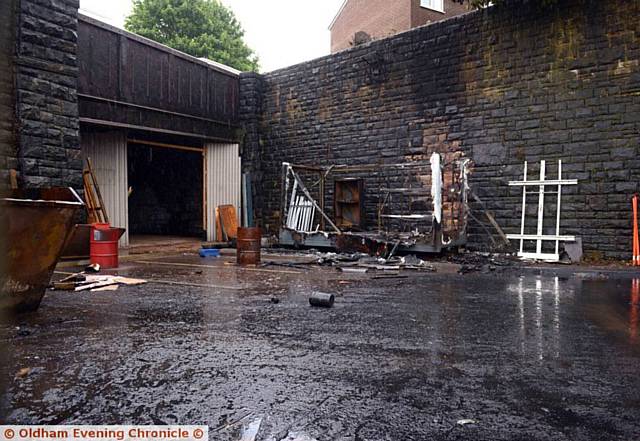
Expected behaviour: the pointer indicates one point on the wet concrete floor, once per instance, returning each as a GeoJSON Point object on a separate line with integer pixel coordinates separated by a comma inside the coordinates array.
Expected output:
{"type": "Point", "coordinates": [522, 357]}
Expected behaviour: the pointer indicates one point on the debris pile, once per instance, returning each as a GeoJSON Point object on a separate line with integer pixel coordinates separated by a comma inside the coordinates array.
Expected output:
{"type": "Point", "coordinates": [484, 262]}
{"type": "Point", "coordinates": [91, 282]}
{"type": "Point", "coordinates": [359, 262]}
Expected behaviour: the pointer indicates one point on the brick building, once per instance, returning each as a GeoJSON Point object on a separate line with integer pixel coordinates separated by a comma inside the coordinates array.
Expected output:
{"type": "Point", "coordinates": [361, 20]}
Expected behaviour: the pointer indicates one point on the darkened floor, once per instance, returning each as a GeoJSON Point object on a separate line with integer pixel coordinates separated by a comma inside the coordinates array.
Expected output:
{"type": "Point", "coordinates": [525, 357]}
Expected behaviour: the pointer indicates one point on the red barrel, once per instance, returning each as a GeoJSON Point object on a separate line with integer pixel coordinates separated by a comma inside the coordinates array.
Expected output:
{"type": "Point", "coordinates": [248, 248]}
{"type": "Point", "coordinates": [103, 245]}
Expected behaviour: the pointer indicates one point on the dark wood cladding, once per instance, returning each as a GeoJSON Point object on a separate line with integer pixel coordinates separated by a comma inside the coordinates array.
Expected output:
{"type": "Point", "coordinates": [127, 79]}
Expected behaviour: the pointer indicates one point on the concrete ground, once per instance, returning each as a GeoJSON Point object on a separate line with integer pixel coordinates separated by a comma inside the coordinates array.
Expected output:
{"type": "Point", "coordinates": [433, 356]}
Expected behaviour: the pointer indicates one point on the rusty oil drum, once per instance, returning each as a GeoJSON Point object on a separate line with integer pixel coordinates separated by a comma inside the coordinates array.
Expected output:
{"type": "Point", "coordinates": [248, 245]}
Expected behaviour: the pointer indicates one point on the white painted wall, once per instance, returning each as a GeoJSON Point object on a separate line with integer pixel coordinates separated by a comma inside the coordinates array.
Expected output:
{"type": "Point", "coordinates": [108, 153]}
{"type": "Point", "coordinates": [223, 178]}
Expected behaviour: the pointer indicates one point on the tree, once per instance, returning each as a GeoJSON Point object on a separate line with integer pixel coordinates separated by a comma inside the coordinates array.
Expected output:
{"type": "Point", "coordinates": [202, 28]}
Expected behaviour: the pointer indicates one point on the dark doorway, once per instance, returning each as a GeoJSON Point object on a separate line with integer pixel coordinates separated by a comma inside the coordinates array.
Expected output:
{"type": "Point", "coordinates": [166, 191]}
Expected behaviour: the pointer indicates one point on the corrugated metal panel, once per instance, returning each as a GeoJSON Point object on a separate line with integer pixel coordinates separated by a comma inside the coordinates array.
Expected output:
{"type": "Point", "coordinates": [223, 181]}
{"type": "Point", "coordinates": [108, 153]}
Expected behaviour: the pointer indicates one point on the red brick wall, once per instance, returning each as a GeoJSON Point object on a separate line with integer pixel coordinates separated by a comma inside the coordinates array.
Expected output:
{"type": "Point", "coordinates": [421, 16]}
{"type": "Point", "coordinates": [378, 18]}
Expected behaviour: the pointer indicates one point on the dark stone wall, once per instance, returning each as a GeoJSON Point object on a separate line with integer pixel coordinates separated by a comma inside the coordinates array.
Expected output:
{"type": "Point", "coordinates": [46, 93]}
{"type": "Point", "coordinates": [7, 93]}
{"type": "Point", "coordinates": [250, 115]}
{"type": "Point", "coordinates": [500, 86]}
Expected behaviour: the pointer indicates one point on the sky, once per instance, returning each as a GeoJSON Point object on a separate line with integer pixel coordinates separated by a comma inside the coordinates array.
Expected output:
{"type": "Point", "coordinates": [281, 32]}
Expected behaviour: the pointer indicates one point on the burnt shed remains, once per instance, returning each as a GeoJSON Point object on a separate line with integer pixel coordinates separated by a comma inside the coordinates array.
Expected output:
{"type": "Point", "coordinates": [499, 87]}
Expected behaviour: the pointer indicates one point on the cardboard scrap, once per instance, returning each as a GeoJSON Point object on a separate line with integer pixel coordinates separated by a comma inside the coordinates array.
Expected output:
{"type": "Point", "coordinates": [104, 283]}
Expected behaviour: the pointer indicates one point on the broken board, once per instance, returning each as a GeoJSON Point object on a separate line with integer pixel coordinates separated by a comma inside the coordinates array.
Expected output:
{"type": "Point", "coordinates": [228, 221]}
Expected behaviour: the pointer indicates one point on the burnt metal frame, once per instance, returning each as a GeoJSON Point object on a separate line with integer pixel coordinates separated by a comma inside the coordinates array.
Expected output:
{"type": "Point", "coordinates": [338, 238]}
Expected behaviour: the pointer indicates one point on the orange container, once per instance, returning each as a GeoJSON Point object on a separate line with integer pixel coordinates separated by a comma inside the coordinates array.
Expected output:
{"type": "Point", "coordinates": [248, 245]}
{"type": "Point", "coordinates": [103, 245]}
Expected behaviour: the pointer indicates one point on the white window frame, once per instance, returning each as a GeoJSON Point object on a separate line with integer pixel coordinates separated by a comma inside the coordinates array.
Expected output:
{"type": "Point", "coordinates": [539, 237]}
{"type": "Point", "coordinates": [434, 5]}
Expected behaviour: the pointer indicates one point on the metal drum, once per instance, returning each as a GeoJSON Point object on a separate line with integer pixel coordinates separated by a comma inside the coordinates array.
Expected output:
{"type": "Point", "coordinates": [104, 245]}
{"type": "Point", "coordinates": [248, 245]}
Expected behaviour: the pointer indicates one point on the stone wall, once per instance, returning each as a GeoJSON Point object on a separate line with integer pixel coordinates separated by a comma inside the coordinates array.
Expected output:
{"type": "Point", "coordinates": [46, 91]}
{"type": "Point", "coordinates": [250, 115]}
{"type": "Point", "coordinates": [500, 86]}
{"type": "Point", "coordinates": [7, 94]}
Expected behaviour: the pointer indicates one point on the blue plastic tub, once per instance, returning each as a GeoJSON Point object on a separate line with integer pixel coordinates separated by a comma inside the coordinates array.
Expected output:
{"type": "Point", "coordinates": [209, 252]}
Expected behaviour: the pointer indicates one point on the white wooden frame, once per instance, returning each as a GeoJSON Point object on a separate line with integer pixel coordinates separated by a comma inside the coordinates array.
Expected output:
{"type": "Point", "coordinates": [539, 237]}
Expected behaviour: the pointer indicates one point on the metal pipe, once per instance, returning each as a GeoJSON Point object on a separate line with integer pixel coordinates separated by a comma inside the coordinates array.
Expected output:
{"type": "Point", "coordinates": [321, 299]}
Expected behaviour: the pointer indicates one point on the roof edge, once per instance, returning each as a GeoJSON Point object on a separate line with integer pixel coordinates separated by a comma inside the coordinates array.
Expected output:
{"type": "Point", "coordinates": [214, 65]}
{"type": "Point", "coordinates": [338, 14]}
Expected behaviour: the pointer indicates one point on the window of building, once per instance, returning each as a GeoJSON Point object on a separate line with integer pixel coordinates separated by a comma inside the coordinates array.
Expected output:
{"type": "Point", "coordinates": [436, 5]}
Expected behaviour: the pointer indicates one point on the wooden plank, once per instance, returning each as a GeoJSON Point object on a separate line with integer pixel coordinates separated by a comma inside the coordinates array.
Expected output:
{"type": "Point", "coordinates": [542, 182]}
{"type": "Point", "coordinates": [524, 208]}
{"type": "Point", "coordinates": [165, 145]}
{"type": "Point", "coordinates": [229, 221]}
{"type": "Point", "coordinates": [541, 206]}
{"type": "Point", "coordinates": [89, 200]}
{"type": "Point", "coordinates": [549, 237]}
{"type": "Point", "coordinates": [219, 235]}
{"type": "Point", "coordinates": [558, 206]}
{"type": "Point", "coordinates": [13, 178]}
{"type": "Point", "coordinates": [96, 188]}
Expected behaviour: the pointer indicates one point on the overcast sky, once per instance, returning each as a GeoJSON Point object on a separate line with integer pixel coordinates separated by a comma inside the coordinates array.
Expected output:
{"type": "Point", "coordinates": [282, 32]}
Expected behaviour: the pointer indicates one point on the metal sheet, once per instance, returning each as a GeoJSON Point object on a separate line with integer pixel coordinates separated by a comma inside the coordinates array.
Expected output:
{"type": "Point", "coordinates": [37, 223]}
{"type": "Point", "coordinates": [108, 153]}
{"type": "Point", "coordinates": [223, 182]}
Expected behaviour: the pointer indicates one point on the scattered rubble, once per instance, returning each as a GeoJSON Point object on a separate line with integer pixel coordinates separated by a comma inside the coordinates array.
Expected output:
{"type": "Point", "coordinates": [484, 262]}
{"type": "Point", "coordinates": [360, 262]}
{"type": "Point", "coordinates": [354, 262]}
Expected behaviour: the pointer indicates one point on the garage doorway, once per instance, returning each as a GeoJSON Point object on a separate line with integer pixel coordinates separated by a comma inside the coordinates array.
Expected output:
{"type": "Point", "coordinates": [166, 194]}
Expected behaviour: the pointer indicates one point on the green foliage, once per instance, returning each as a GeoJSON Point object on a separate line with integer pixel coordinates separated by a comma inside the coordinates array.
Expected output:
{"type": "Point", "coordinates": [202, 28]}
